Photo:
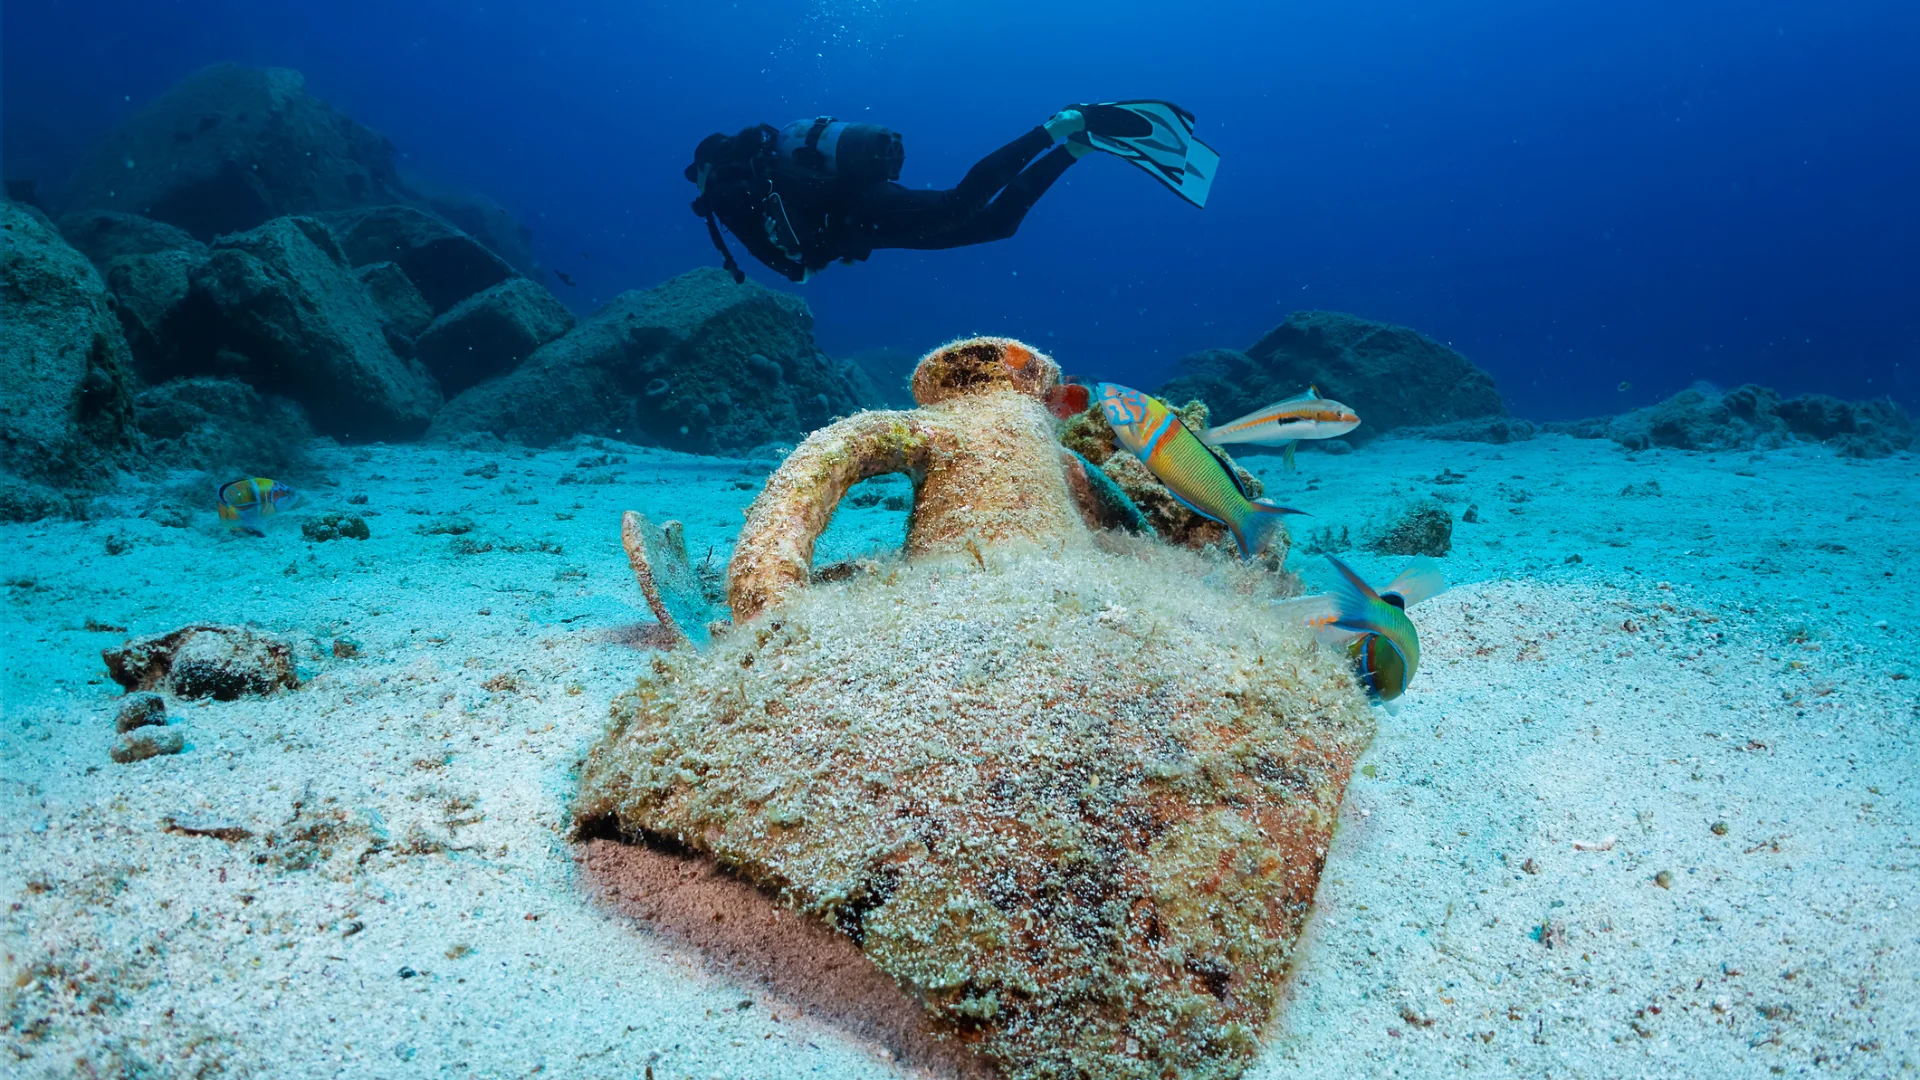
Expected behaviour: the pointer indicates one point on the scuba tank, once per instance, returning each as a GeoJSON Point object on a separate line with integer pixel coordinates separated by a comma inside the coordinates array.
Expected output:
{"type": "Point", "coordinates": [825, 149]}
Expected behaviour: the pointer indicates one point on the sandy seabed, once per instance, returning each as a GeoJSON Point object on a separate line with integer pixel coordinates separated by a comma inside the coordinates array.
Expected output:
{"type": "Point", "coordinates": [1650, 809]}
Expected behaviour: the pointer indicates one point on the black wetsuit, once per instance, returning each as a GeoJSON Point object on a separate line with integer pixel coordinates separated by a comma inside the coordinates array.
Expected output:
{"type": "Point", "coordinates": [834, 220]}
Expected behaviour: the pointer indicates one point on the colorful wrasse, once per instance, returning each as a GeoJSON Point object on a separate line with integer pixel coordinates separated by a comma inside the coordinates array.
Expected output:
{"type": "Point", "coordinates": [1284, 423]}
{"type": "Point", "coordinates": [1193, 472]}
{"type": "Point", "coordinates": [244, 502]}
{"type": "Point", "coordinates": [1373, 626]}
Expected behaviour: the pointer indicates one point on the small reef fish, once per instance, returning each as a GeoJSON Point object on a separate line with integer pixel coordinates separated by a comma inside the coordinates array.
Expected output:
{"type": "Point", "coordinates": [1373, 626]}
{"type": "Point", "coordinates": [1195, 473]}
{"type": "Point", "coordinates": [1285, 423]}
{"type": "Point", "coordinates": [1625, 386]}
{"type": "Point", "coordinates": [243, 502]}
{"type": "Point", "coordinates": [565, 279]}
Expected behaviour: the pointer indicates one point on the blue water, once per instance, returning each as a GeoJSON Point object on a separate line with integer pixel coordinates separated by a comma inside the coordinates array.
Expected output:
{"type": "Point", "coordinates": [1574, 195]}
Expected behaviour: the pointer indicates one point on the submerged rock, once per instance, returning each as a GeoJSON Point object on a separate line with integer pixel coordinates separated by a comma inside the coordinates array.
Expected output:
{"type": "Point", "coordinates": [445, 264]}
{"type": "Point", "coordinates": [1390, 375]}
{"type": "Point", "coordinates": [479, 217]}
{"type": "Point", "coordinates": [404, 313]}
{"type": "Point", "coordinates": [141, 745]}
{"type": "Point", "coordinates": [105, 235]}
{"type": "Point", "coordinates": [221, 426]}
{"type": "Point", "coordinates": [140, 710]}
{"type": "Point", "coordinates": [1703, 418]}
{"type": "Point", "coordinates": [334, 526]}
{"type": "Point", "coordinates": [697, 364]}
{"type": "Point", "coordinates": [1425, 528]}
{"type": "Point", "coordinates": [292, 319]}
{"type": "Point", "coordinates": [204, 660]}
{"type": "Point", "coordinates": [166, 332]}
{"type": "Point", "coordinates": [66, 406]}
{"type": "Point", "coordinates": [491, 332]}
{"type": "Point", "coordinates": [231, 147]}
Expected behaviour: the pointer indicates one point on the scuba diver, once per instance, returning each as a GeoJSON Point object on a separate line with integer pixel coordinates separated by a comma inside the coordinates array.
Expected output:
{"type": "Point", "coordinates": [816, 191]}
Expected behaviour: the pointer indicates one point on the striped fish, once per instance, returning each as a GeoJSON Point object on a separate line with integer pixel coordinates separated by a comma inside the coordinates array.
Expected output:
{"type": "Point", "coordinates": [242, 503]}
{"type": "Point", "coordinates": [1193, 472]}
{"type": "Point", "coordinates": [1373, 626]}
{"type": "Point", "coordinates": [1284, 423]}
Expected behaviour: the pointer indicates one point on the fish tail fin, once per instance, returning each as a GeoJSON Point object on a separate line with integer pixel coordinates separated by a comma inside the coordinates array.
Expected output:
{"type": "Point", "coordinates": [1256, 531]}
{"type": "Point", "coordinates": [1422, 578]}
{"type": "Point", "coordinates": [1286, 456]}
{"type": "Point", "coordinates": [1352, 597]}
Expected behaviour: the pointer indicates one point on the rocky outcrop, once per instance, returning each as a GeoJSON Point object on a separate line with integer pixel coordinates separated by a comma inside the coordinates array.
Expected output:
{"type": "Point", "coordinates": [696, 363]}
{"type": "Point", "coordinates": [105, 235]}
{"type": "Point", "coordinates": [221, 426]}
{"type": "Point", "coordinates": [479, 217]}
{"type": "Point", "coordinates": [151, 290]}
{"type": "Point", "coordinates": [289, 317]}
{"type": "Point", "coordinates": [230, 147]}
{"type": "Point", "coordinates": [490, 332]}
{"type": "Point", "coordinates": [66, 407]}
{"type": "Point", "coordinates": [445, 264]}
{"type": "Point", "coordinates": [1390, 375]}
{"type": "Point", "coordinates": [404, 314]}
{"type": "Point", "coordinates": [204, 660]}
{"type": "Point", "coordinates": [1704, 418]}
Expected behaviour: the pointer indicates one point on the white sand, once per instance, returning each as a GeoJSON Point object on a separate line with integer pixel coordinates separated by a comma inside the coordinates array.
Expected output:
{"type": "Point", "coordinates": [1705, 661]}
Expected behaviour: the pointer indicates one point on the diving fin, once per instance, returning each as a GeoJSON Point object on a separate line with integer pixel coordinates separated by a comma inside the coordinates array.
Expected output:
{"type": "Point", "coordinates": [1156, 136]}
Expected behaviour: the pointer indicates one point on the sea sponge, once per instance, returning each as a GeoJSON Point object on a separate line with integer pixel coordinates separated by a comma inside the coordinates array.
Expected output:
{"type": "Point", "coordinates": [1075, 801]}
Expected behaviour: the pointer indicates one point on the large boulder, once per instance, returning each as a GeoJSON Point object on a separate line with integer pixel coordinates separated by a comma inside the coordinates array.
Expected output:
{"type": "Point", "coordinates": [66, 405]}
{"type": "Point", "coordinates": [289, 317]}
{"type": "Point", "coordinates": [105, 235]}
{"type": "Point", "coordinates": [445, 264]}
{"type": "Point", "coordinates": [490, 332]}
{"type": "Point", "coordinates": [151, 292]}
{"type": "Point", "coordinates": [404, 314]}
{"type": "Point", "coordinates": [1390, 375]}
{"type": "Point", "coordinates": [230, 147]}
{"type": "Point", "coordinates": [1705, 418]}
{"type": "Point", "coordinates": [221, 426]}
{"type": "Point", "coordinates": [479, 217]}
{"type": "Point", "coordinates": [696, 363]}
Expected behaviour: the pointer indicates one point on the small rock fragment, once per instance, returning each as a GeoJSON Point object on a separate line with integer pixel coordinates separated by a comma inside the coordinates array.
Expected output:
{"type": "Point", "coordinates": [204, 660]}
{"type": "Point", "coordinates": [140, 710]}
{"type": "Point", "coordinates": [1422, 529]}
{"type": "Point", "coordinates": [143, 744]}
{"type": "Point", "coordinates": [335, 527]}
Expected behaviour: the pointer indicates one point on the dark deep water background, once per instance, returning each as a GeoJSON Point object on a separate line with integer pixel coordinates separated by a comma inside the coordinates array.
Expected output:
{"type": "Point", "coordinates": [1573, 195]}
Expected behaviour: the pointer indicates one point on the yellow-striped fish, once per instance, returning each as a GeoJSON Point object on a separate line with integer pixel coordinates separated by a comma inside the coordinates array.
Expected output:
{"type": "Point", "coordinates": [1192, 471]}
{"type": "Point", "coordinates": [243, 502]}
{"type": "Point", "coordinates": [1374, 627]}
{"type": "Point", "coordinates": [1285, 423]}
